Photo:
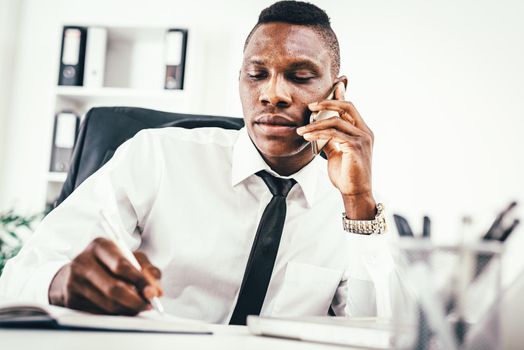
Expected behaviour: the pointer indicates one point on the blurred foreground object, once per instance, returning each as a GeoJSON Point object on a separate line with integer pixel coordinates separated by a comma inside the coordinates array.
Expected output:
{"type": "Point", "coordinates": [450, 303]}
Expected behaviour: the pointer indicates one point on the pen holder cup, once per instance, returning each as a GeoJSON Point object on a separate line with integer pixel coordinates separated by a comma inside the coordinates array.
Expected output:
{"type": "Point", "coordinates": [448, 295]}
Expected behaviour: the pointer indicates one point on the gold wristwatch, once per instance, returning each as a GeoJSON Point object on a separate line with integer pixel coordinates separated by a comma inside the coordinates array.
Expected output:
{"type": "Point", "coordinates": [366, 227]}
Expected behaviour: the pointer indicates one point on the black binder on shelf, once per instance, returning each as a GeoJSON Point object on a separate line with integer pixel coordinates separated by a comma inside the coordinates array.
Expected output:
{"type": "Point", "coordinates": [65, 132]}
{"type": "Point", "coordinates": [72, 56]}
{"type": "Point", "coordinates": [175, 58]}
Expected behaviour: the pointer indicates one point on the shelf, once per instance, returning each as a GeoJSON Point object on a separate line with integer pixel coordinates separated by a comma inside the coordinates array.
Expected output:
{"type": "Point", "coordinates": [54, 176]}
{"type": "Point", "coordinates": [134, 75]}
{"type": "Point", "coordinates": [80, 92]}
{"type": "Point", "coordinates": [84, 98]}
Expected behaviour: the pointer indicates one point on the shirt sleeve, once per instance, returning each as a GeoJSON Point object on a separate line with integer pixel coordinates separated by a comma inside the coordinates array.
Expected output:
{"type": "Point", "coordinates": [369, 280]}
{"type": "Point", "coordinates": [125, 188]}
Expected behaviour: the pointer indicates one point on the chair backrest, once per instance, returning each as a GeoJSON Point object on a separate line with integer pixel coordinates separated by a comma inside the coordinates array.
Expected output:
{"type": "Point", "coordinates": [106, 128]}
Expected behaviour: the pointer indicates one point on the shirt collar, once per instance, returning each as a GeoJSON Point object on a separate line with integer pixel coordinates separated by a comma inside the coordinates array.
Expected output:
{"type": "Point", "coordinates": [247, 161]}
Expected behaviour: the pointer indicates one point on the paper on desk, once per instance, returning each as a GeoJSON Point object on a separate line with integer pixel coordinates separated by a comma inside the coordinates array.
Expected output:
{"type": "Point", "coordinates": [27, 314]}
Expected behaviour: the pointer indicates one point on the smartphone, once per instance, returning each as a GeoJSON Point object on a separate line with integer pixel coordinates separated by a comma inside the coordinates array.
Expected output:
{"type": "Point", "coordinates": [317, 146]}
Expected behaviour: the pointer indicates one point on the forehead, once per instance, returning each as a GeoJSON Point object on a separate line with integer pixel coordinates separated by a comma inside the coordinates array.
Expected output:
{"type": "Point", "coordinates": [282, 42]}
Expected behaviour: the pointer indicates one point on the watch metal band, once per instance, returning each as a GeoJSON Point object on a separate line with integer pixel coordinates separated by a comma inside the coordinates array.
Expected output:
{"type": "Point", "coordinates": [366, 227]}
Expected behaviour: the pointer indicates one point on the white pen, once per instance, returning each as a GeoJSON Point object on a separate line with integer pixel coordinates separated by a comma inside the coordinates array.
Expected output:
{"type": "Point", "coordinates": [117, 237]}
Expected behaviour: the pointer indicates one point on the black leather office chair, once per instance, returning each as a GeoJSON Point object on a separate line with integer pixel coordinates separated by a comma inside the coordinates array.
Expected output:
{"type": "Point", "coordinates": [106, 128]}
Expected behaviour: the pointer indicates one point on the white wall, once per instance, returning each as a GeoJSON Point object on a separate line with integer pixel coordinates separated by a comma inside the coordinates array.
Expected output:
{"type": "Point", "coordinates": [440, 83]}
{"type": "Point", "coordinates": [9, 15]}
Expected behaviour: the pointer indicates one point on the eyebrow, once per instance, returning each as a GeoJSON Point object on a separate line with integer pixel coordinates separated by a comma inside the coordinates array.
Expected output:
{"type": "Point", "coordinates": [305, 64]}
{"type": "Point", "coordinates": [301, 63]}
{"type": "Point", "coordinates": [257, 62]}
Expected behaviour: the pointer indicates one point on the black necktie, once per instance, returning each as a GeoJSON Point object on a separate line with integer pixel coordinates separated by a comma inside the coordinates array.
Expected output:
{"type": "Point", "coordinates": [264, 250]}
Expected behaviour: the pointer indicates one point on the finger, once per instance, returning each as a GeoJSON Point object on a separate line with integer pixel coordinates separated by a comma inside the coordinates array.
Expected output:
{"type": "Point", "coordinates": [327, 134]}
{"type": "Point", "coordinates": [79, 302]}
{"type": "Point", "coordinates": [337, 141]}
{"type": "Point", "coordinates": [342, 107]}
{"type": "Point", "coordinates": [89, 295]}
{"type": "Point", "coordinates": [346, 142]}
{"type": "Point", "coordinates": [115, 290]}
{"type": "Point", "coordinates": [333, 122]}
{"type": "Point", "coordinates": [110, 256]}
{"type": "Point", "coordinates": [83, 295]}
{"type": "Point", "coordinates": [152, 274]}
{"type": "Point", "coordinates": [107, 306]}
{"type": "Point", "coordinates": [332, 105]}
{"type": "Point", "coordinates": [347, 117]}
{"type": "Point", "coordinates": [143, 260]}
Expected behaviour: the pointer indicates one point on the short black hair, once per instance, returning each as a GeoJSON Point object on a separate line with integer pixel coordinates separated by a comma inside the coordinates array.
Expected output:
{"type": "Point", "coordinates": [305, 14]}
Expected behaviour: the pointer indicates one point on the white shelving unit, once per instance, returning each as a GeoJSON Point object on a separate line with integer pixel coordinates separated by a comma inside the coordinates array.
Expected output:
{"type": "Point", "coordinates": [134, 76]}
{"type": "Point", "coordinates": [83, 98]}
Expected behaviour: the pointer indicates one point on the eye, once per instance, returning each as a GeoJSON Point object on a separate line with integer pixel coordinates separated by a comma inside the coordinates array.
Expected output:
{"type": "Point", "coordinates": [256, 75]}
{"type": "Point", "coordinates": [300, 77]}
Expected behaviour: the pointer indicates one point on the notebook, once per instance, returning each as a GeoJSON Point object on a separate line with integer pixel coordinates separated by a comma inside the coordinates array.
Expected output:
{"type": "Point", "coordinates": [29, 315]}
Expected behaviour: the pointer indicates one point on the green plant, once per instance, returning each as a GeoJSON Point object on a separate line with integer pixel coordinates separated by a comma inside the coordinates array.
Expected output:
{"type": "Point", "coordinates": [14, 231]}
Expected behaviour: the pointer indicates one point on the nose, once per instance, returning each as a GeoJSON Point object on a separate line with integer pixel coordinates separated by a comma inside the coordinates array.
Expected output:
{"type": "Point", "coordinates": [275, 93]}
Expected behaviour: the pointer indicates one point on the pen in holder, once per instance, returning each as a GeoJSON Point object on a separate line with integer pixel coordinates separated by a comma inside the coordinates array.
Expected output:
{"type": "Point", "coordinates": [446, 295]}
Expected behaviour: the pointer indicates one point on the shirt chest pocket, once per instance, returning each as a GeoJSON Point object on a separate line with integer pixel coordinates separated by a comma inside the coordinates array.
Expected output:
{"type": "Point", "coordinates": [307, 290]}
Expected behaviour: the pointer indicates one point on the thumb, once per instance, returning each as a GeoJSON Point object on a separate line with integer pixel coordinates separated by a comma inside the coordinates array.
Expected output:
{"type": "Point", "coordinates": [151, 272]}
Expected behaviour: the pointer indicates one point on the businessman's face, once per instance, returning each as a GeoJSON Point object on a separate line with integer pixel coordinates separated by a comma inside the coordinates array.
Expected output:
{"type": "Point", "coordinates": [285, 68]}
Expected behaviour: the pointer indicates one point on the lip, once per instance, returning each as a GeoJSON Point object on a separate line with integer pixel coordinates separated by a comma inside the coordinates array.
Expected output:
{"type": "Point", "coordinates": [275, 119]}
{"type": "Point", "coordinates": [276, 125]}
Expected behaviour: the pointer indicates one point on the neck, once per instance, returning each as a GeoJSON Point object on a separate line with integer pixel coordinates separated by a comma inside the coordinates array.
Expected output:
{"type": "Point", "coordinates": [289, 165]}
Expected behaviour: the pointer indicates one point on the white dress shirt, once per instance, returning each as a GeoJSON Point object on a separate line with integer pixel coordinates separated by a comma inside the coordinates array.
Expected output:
{"type": "Point", "coordinates": [191, 201]}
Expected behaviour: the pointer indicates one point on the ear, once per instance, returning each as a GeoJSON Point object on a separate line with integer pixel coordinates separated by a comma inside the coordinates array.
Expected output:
{"type": "Point", "coordinates": [343, 79]}
{"type": "Point", "coordinates": [340, 92]}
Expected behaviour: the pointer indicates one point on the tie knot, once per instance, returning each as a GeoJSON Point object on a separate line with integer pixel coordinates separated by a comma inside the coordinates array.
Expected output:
{"type": "Point", "coordinates": [277, 186]}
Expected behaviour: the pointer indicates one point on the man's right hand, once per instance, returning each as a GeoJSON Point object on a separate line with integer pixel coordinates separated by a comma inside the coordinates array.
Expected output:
{"type": "Point", "coordinates": [102, 280]}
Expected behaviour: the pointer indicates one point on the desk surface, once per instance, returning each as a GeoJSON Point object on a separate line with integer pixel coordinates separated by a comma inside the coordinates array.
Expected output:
{"type": "Point", "coordinates": [224, 337]}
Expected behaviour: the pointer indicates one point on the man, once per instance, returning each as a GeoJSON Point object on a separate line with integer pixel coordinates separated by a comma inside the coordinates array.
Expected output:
{"type": "Point", "coordinates": [236, 222]}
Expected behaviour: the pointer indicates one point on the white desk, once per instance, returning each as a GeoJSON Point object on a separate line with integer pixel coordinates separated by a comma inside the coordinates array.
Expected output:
{"type": "Point", "coordinates": [224, 338]}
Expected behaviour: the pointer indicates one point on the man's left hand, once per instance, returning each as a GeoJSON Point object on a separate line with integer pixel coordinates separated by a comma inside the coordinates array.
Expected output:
{"type": "Point", "coordinates": [349, 152]}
